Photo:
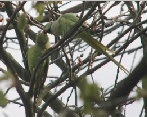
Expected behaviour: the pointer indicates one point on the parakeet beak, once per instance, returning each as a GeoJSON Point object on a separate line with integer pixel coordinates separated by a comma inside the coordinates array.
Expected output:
{"type": "Point", "coordinates": [47, 31]}
{"type": "Point", "coordinates": [44, 32]}
{"type": "Point", "coordinates": [47, 28]}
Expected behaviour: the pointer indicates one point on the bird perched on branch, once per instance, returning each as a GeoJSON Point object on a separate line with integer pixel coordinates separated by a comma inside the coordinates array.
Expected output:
{"type": "Point", "coordinates": [63, 25]}
{"type": "Point", "coordinates": [34, 53]}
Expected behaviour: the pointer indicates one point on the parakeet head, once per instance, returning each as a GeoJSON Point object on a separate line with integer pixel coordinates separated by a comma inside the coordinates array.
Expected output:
{"type": "Point", "coordinates": [47, 28]}
{"type": "Point", "coordinates": [42, 39]}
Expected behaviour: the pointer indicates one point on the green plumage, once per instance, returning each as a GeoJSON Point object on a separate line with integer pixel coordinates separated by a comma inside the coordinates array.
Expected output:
{"type": "Point", "coordinates": [65, 22]}
{"type": "Point", "coordinates": [34, 54]}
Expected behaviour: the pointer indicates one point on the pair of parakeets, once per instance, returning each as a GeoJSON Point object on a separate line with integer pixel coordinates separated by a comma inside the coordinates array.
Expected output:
{"type": "Point", "coordinates": [59, 28]}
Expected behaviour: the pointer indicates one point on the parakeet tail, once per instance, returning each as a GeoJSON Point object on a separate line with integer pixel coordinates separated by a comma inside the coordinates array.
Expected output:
{"type": "Point", "coordinates": [94, 43]}
{"type": "Point", "coordinates": [101, 48]}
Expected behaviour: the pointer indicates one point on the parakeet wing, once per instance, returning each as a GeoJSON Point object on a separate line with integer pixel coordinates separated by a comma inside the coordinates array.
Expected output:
{"type": "Point", "coordinates": [71, 16]}
{"type": "Point", "coordinates": [34, 53]}
{"type": "Point", "coordinates": [45, 69]}
{"type": "Point", "coordinates": [67, 21]}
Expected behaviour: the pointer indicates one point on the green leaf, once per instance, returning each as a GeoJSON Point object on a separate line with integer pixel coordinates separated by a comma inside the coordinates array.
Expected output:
{"type": "Point", "coordinates": [22, 21]}
{"type": "Point", "coordinates": [89, 93]}
{"type": "Point", "coordinates": [3, 100]}
{"type": "Point", "coordinates": [40, 7]}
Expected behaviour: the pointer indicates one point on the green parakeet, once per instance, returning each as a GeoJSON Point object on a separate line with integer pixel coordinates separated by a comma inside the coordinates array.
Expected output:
{"type": "Point", "coordinates": [65, 22]}
{"type": "Point", "coordinates": [34, 53]}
